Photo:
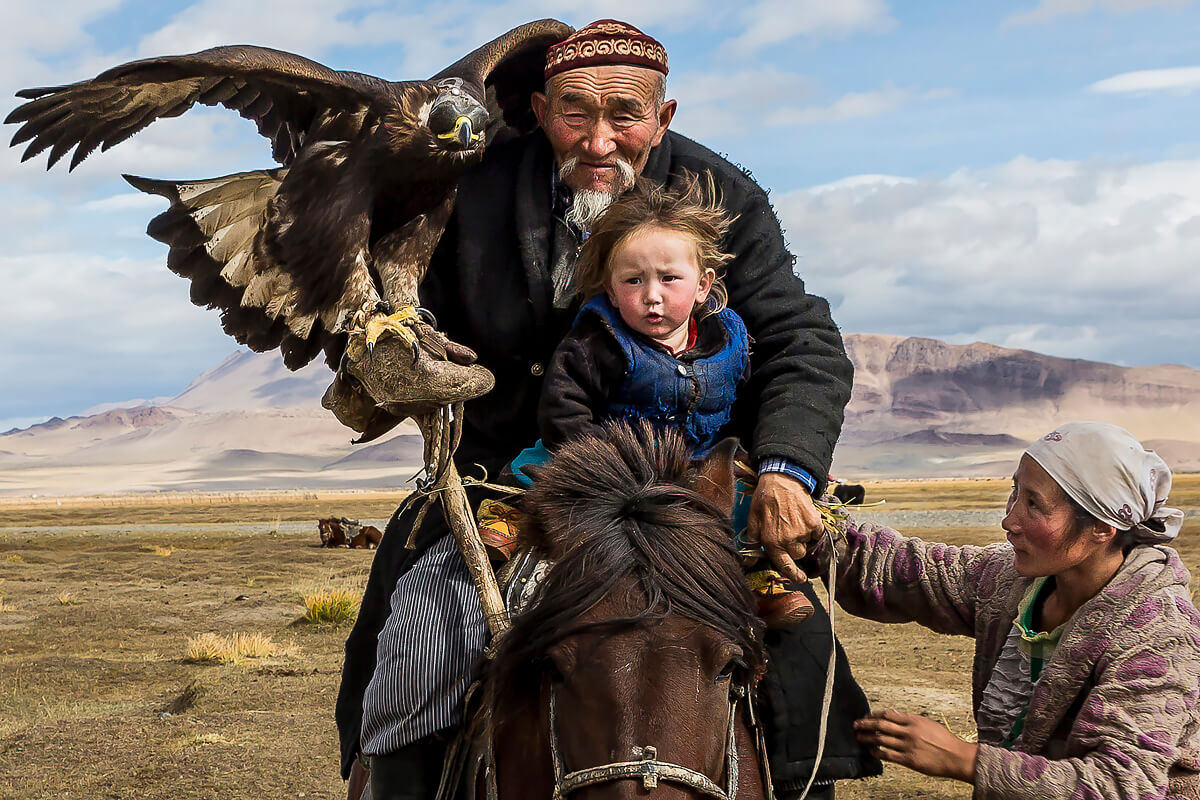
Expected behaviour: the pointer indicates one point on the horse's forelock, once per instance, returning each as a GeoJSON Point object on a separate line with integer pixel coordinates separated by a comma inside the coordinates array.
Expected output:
{"type": "Point", "coordinates": [590, 483]}
{"type": "Point", "coordinates": [620, 504]}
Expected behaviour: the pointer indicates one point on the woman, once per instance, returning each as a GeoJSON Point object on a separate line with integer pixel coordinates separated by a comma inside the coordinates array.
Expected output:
{"type": "Point", "coordinates": [1087, 645]}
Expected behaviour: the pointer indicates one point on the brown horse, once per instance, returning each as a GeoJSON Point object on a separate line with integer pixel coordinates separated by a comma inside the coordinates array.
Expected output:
{"type": "Point", "coordinates": [342, 532]}
{"type": "Point", "coordinates": [634, 664]}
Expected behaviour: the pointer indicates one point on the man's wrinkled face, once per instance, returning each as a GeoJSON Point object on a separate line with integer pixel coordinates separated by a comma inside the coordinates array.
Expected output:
{"type": "Point", "coordinates": [598, 117]}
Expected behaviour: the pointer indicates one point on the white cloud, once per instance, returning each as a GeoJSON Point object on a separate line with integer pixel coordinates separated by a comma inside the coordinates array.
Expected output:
{"type": "Point", "coordinates": [126, 201]}
{"type": "Point", "coordinates": [1181, 80]}
{"type": "Point", "coordinates": [773, 22]}
{"type": "Point", "coordinates": [1075, 259]}
{"type": "Point", "coordinates": [73, 319]}
{"type": "Point", "coordinates": [428, 36]}
{"type": "Point", "coordinates": [718, 104]}
{"type": "Point", "coordinates": [849, 106]}
{"type": "Point", "coordinates": [302, 26]}
{"type": "Point", "coordinates": [1047, 10]}
{"type": "Point", "coordinates": [28, 29]}
{"type": "Point", "coordinates": [860, 182]}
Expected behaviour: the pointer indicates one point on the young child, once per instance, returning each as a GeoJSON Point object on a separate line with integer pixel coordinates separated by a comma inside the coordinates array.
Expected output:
{"type": "Point", "coordinates": [655, 341]}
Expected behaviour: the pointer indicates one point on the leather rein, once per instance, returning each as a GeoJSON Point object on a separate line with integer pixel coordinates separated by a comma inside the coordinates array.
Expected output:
{"type": "Point", "coordinates": [647, 766]}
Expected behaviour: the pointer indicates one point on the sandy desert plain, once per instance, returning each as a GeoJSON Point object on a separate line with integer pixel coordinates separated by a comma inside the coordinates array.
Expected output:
{"type": "Point", "coordinates": [99, 597]}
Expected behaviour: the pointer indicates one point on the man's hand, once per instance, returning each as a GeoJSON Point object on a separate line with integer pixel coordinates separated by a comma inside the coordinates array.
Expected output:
{"type": "Point", "coordinates": [918, 743]}
{"type": "Point", "coordinates": [782, 519]}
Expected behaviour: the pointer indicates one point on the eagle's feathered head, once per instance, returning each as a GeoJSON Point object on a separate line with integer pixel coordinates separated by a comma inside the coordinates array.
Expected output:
{"type": "Point", "coordinates": [456, 119]}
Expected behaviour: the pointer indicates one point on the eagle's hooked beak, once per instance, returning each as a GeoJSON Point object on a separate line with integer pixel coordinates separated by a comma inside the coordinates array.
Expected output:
{"type": "Point", "coordinates": [462, 132]}
{"type": "Point", "coordinates": [456, 119]}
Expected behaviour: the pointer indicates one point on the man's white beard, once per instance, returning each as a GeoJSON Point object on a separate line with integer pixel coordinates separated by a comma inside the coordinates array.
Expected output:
{"type": "Point", "coordinates": [589, 204]}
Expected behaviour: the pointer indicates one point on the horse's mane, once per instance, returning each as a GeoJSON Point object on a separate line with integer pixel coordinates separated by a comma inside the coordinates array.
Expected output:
{"type": "Point", "coordinates": [615, 506]}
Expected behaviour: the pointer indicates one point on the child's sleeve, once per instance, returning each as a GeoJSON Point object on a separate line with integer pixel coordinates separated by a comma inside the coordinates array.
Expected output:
{"type": "Point", "coordinates": [586, 371]}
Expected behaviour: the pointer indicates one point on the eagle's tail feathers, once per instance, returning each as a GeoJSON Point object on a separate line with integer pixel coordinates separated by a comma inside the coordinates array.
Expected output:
{"type": "Point", "coordinates": [302, 325]}
{"type": "Point", "coordinates": [234, 237]}
{"type": "Point", "coordinates": [240, 268]}
{"type": "Point", "coordinates": [263, 287]}
{"type": "Point", "coordinates": [211, 226]}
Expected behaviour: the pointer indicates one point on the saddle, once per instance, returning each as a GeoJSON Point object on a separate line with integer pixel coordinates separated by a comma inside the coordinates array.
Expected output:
{"type": "Point", "coordinates": [468, 758]}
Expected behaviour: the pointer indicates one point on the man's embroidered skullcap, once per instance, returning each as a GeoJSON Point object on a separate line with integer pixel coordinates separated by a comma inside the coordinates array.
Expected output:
{"type": "Point", "coordinates": [606, 41]}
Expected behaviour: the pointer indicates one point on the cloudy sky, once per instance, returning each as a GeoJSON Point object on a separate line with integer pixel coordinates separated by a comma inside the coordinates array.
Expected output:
{"type": "Point", "coordinates": [1025, 173]}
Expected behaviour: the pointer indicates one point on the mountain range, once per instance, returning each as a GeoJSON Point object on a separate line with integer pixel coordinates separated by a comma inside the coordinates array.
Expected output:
{"type": "Point", "coordinates": [919, 408]}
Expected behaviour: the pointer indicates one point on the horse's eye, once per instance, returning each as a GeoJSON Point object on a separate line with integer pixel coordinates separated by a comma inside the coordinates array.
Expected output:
{"type": "Point", "coordinates": [727, 671]}
{"type": "Point", "coordinates": [552, 671]}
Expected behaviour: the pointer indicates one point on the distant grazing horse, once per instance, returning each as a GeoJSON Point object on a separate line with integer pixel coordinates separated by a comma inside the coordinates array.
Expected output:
{"type": "Point", "coordinates": [637, 657]}
{"type": "Point", "coordinates": [852, 494]}
{"type": "Point", "coordinates": [342, 532]}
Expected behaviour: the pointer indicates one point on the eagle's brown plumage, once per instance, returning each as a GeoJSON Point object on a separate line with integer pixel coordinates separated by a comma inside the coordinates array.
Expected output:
{"type": "Point", "coordinates": [347, 223]}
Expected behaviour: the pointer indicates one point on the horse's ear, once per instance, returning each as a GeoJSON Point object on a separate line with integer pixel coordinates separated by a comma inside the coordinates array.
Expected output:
{"type": "Point", "coordinates": [533, 471]}
{"type": "Point", "coordinates": [715, 480]}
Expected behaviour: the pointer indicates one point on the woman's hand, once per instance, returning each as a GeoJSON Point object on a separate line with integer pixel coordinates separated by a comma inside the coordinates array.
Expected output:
{"type": "Point", "coordinates": [918, 743]}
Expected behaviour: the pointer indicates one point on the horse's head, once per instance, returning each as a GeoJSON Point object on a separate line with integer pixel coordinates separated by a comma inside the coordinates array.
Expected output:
{"type": "Point", "coordinates": [331, 532]}
{"type": "Point", "coordinates": [643, 632]}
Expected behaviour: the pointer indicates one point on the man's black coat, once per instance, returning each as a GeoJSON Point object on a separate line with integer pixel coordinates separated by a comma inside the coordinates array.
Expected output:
{"type": "Point", "coordinates": [489, 286]}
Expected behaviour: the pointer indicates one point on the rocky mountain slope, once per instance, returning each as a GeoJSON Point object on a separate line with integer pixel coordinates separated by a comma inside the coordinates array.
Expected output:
{"type": "Point", "coordinates": [925, 407]}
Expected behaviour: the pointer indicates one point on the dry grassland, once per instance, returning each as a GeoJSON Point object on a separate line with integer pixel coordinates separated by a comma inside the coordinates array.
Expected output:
{"type": "Point", "coordinates": [170, 508]}
{"type": "Point", "coordinates": [99, 598]}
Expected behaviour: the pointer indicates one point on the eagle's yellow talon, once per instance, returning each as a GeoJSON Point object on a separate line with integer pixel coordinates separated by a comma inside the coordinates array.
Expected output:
{"type": "Point", "coordinates": [367, 328]}
{"type": "Point", "coordinates": [399, 323]}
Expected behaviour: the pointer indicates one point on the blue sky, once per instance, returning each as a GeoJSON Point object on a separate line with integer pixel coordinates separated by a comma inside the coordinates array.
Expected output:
{"type": "Point", "coordinates": [1023, 173]}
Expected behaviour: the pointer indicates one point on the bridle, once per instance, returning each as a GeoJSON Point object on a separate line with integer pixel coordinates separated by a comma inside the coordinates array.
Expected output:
{"type": "Point", "coordinates": [647, 766]}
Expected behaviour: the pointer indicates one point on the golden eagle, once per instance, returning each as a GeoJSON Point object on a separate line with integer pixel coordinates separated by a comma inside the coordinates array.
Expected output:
{"type": "Point", "coordinates": [336, 240]}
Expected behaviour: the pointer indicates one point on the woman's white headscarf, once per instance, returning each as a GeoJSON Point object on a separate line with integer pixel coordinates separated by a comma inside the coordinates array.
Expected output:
{"type": "Point", "coordinates": [1116, 480]}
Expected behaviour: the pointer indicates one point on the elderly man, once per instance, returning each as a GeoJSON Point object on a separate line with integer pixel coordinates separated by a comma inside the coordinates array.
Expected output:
{"type": "Point", "coordinates": [501, 282]}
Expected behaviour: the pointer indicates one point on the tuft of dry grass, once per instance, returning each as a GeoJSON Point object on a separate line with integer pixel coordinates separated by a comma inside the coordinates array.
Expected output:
{"type": "Point", "coordinates": [157, 550]}
{"type": "Point", "coordinates": [14, 558]}
{"type": "Point", "coordinates": [212, 648]}
{"type": "Point", "coordinates": [67, 599]}
{"type": "Point", "coordinates": [330, 605]}
{"type": "Point", "coordinates": [967, 735]}
{"type": "Point", "coordinates": [198, 739]}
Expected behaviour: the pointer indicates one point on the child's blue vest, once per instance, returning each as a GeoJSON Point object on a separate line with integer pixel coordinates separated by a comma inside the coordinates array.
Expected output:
{"type": "Point", "coordinates": [695, 396]}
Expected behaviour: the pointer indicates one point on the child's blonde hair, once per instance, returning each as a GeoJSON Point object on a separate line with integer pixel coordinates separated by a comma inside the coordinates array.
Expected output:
{"type": "Point", "coordinates": [693, 208]}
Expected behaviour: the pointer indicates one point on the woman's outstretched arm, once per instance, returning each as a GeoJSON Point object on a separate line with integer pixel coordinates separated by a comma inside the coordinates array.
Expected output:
{"type": "Point", "coordinates": [887, 577]}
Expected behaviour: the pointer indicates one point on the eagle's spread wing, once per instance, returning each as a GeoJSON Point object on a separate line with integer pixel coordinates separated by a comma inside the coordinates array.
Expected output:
{"type": "Point", "coordinates": [281, 92]}
{"type": "Point", "coordinates": [244, 240]}
{"type": "Point", "coordinates": [289, 255]}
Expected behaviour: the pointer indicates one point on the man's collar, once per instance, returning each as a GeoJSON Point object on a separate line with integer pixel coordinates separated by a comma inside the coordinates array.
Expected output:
{"type": "Point", "coordinates": [561, 196]}
{"type": "Point", "coordinates": [658, 164]}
